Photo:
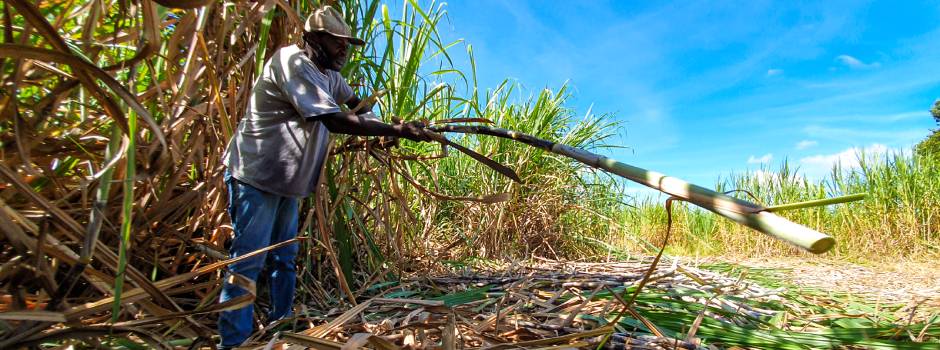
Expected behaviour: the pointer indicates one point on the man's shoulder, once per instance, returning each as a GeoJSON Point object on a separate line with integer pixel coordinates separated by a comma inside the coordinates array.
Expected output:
{"type": "Point", "coordinates": [289, 59]}
{"type": "Point", "coordinates": [288, 50]}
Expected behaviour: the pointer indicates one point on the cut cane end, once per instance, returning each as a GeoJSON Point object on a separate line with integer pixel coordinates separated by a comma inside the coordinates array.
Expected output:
{"type": "Point", "coordinates": [823, 245]}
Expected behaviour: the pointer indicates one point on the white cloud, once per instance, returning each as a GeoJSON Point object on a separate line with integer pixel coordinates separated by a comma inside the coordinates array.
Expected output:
{"type": "Point", "coordinates": [820, 165]}
{"type": "Point", "coordinates": [774, 71]}
{"type": "Point", "coordinates": [764, 176]}
{"type": "Point", "coordinates": [764, 159]}
{"type": "Point", "coordinates": [855, 63]}
{"type": "Point", "coordinates": [768, 177]}
{"type": "Point", "coordinates": [806, 144]}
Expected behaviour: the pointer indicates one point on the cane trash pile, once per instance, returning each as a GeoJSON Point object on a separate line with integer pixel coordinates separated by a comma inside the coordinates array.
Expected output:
{"type": "Point", "coordinates": [570, 305]}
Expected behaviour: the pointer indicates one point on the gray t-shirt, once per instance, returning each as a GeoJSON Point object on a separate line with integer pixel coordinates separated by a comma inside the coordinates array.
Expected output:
{"type": "Point", "coordinates": [276, 148]}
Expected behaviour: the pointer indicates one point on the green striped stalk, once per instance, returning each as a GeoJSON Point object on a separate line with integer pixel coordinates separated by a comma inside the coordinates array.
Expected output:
{"type": "Point", "coordinates": [263, 40]}
{"type": "Point", "coordinates": [818, 202]}
{"type": "Point", "coordinates": [740, 211]}
{"type": "Point", "coordinates": [127, 215]}
{"type": "Point", "coordinates": [96, 218]}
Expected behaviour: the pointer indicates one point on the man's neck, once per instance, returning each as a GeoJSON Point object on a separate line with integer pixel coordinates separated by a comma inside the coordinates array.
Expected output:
{"type": "Point", "coordinates": [308, 50]}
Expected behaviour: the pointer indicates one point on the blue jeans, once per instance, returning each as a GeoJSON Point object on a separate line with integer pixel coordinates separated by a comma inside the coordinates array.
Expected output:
{"type": "Point", "coordinates": [260, 219]}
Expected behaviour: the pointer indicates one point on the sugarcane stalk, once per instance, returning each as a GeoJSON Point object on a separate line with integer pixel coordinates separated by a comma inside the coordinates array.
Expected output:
{"type": "Point", "coordinates": [818, 202]}
{"type": "Point", "coordinates": [738, 210]}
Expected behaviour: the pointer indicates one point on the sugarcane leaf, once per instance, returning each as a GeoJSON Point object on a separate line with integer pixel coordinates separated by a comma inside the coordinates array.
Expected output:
{"type": "Point", "coordinates": [469, 295]}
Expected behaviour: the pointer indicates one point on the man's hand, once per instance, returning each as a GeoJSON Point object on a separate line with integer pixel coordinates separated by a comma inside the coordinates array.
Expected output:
{"type": "Point", "coordinates": [413, 130]}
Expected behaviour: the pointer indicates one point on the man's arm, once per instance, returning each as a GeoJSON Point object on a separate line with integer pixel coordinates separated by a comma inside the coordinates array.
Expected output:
{"type": "Point", "coordinates": [351, 124]}
{"type": "Point", "coordinates": [354, 102]}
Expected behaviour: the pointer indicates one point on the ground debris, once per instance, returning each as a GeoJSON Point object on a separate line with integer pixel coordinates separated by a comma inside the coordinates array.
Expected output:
{"type": "Point", "coordinates": [545, 305]}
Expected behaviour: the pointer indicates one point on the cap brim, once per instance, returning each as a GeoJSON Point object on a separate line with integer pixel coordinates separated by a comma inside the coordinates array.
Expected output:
{"type": "Point", "coordinates": [354, 41]}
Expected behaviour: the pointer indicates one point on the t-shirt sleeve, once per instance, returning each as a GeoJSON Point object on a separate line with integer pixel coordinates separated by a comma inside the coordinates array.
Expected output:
{"type": "Point", "coordinates": [306, 90]}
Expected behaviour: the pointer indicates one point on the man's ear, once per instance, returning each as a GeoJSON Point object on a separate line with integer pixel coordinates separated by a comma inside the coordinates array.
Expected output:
{"type": "Point", "coordinates": [307, 37]}
{"type": "Point", "coordinates": [311, 40]}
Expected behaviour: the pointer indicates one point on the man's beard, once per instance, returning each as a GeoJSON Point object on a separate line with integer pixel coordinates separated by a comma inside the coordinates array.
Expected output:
{"type": "Point", "coordinates": [324, 60]}
{"type": "Point", "coordinates": [338, 63]}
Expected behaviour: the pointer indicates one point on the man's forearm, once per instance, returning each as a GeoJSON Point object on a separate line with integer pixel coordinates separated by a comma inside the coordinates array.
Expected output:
{"type": "Point", "coordinates": [351, 124]}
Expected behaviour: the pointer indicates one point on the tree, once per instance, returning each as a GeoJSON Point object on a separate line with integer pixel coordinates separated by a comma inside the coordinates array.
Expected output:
{"type": "Point", "coordinates": [935, 111]}
{"type": "Point", "coordinates": [931, 145]}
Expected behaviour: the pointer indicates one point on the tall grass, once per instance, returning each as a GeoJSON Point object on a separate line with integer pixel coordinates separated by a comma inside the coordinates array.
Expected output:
{"type": "Point", "coordinates": [900, 218]}
{"type": "Point", "coordinates": [557, 198]}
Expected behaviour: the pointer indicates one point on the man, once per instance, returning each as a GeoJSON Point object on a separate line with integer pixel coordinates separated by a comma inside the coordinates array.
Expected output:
{"type": "Point", "coordinates": [274, 158]}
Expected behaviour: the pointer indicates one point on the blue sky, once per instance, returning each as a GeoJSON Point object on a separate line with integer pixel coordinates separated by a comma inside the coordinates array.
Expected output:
{"type": "Point", "coordinates": [707, 88]}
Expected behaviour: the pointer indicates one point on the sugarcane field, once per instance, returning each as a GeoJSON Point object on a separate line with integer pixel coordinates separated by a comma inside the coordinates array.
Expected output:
{"type": "Point", "coordinates": [491, 175]}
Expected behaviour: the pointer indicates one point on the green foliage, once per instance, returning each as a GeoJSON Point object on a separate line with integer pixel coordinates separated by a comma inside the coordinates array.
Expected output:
{"type": "Point", "coordinates": [930, 147]}
{"type": "Point", "coordinates": [558, 197]}
{"type": "Point", "coordinates": [935, 111]}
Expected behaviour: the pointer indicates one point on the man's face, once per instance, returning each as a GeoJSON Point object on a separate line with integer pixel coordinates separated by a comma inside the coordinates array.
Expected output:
{"type": "Point", "coordinates": [336, 50]}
